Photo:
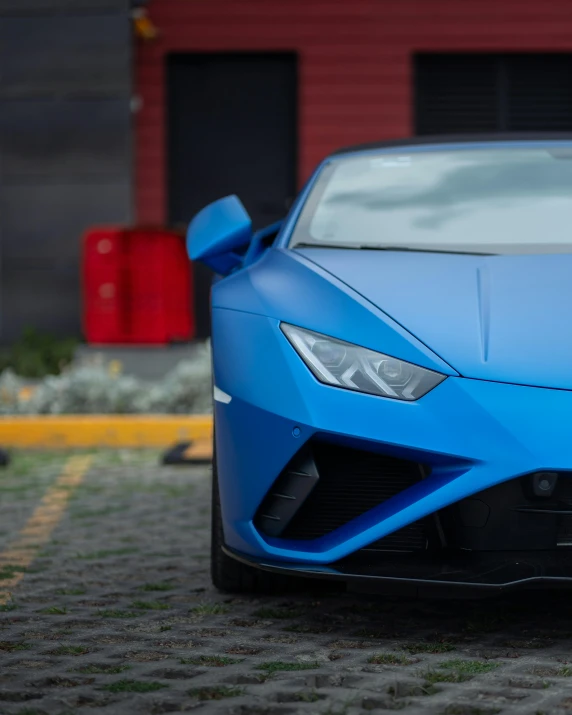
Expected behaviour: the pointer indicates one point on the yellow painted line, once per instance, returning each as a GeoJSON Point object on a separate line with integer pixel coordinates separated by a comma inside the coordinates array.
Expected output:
{"type": "Point", "coordinates": [39, 527]}
{"type": "Point", "coordinates": [87, 431]}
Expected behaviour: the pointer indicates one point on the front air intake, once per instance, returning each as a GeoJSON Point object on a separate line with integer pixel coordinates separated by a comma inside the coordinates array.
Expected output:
{"type": "Point", "coordinates": [329, 485]}
{"type": "Point", "coordinates": [287, 494]}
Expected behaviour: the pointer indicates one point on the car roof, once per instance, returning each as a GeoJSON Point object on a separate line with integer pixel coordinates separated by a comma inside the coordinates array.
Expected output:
{"type": "Point", "coordinates": [446, 139]}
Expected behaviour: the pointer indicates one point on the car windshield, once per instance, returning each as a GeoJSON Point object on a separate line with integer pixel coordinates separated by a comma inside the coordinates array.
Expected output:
{"type": "Point", "coordinates": [480, 199]}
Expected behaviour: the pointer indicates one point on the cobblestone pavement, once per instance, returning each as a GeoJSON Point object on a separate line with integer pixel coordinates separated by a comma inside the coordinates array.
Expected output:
{"type": "Point", "coordinates": [116, 614]}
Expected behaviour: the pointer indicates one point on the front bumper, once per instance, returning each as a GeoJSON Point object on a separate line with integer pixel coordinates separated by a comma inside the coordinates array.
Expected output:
{"type": "Point", "coordinates": [482, 574]}
{"type": "Point", "coordinates": [470, 434]}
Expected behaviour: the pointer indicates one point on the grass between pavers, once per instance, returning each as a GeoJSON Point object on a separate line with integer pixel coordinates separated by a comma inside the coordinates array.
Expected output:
{"type": "Point", "coordinates": [117, 613]}
{"type": "Point", "coordinates": [134, 686]}
{"type": "Point", "coordinates": [96, 513]}
{"type": "Point", "coordinates": [172, 491]}
{"type": "Point", "coordinates": [162, 586]}
{"type": "Point", "coordinates": [307, 696]}
{"type": "Point", "coordinates": [31, 469]}
{"type": "Point", "coordinates": [105, 553]}
{"type": "Point", "coordinates": [150, 605]}
{"type": "Point", "coordinates": [209, 609]}
{"type": "Point", "coordinates": [470, 667]}
{"type": "Point", "coordinates": [316, 629]}
{"type": "Point", "coordinates": [390, 659]}
{"type": "Point", "coordinates": [342, 708]}
{"type": "Point", "coordinates": [454, 671]}
{"type": "Point", "coordinates": [104, 669]}
{"type": "Point", "coordinates": [215, 661]}
{"type": "Point", "coordinates": [12, 493]}
{"type": "Point", "coordinates": [280, 613]}
{"type": "Point", "coordinates": [10, 606]}
{"type": "Point", "coordinates": [69, 650]}
{"type": "Point", "coordinates": [216, 692]}
{"type": "Point", "coordinates": [454, 709]}
{"type": "Point", "coordinates": [428, 647]}
{"type": "Point", "coordinates": [54, 611]}
{"type": "Point", "coordinates": [27, 462]}
{"type": "Point", "coordinates": [8, 571]}
{"type": "Point", "coordinates": [11, 646]}
{"type": "Point", "coordinates": [403, 690]}
{"type": "Point", "coordinates": [274, 666]}
{"type": "Point", "coordinates": [432, 677]}
{"type": "Point", "coordinates": [530, 643]}
{"type": "Point", "coordinates": [121, 456]}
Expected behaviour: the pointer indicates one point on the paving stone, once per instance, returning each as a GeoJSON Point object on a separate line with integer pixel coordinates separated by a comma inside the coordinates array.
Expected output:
{"type": "Point", "coordinates": [117, 615]}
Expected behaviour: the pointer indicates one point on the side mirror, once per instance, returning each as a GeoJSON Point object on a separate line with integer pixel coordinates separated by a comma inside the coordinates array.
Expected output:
{"type": "Point", "coordinates": [217, 234]}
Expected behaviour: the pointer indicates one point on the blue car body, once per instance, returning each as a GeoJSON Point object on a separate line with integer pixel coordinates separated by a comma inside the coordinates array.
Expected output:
{"type": "Point", "coordinates": [496, 327]}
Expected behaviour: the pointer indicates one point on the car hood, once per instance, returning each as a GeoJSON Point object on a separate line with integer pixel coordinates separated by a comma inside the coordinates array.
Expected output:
{"type": "Point", "coordinates": [501, 318]}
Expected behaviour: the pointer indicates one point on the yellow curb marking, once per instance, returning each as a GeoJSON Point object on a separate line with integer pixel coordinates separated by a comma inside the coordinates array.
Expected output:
{"type": "Point", "coordinates": [86, 431]}
{"type": "Point", "coordinates": [24, 549]}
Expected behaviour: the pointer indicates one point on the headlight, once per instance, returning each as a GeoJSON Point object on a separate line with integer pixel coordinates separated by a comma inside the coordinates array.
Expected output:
{"type": "Point", "coordinates": [335, 362]}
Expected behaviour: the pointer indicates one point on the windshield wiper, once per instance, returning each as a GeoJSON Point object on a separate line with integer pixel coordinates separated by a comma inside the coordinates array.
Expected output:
{"type": "Point", "coordinates": [384, 247]}
{"type": "Point", "coordinates": [354, 246]}
{"type": "Point", "coordinates": [422, 249]}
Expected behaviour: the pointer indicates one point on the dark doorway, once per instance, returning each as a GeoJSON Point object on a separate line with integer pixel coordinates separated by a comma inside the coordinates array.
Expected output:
{"type": "Point", "coordinates": [232, 130]}
{"type": "Point", "coordinates": [459, 92]}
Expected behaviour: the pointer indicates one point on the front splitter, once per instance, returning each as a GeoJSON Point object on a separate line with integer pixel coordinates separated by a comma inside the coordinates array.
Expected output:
{"type": "Point", "coordinates": [452, 574]}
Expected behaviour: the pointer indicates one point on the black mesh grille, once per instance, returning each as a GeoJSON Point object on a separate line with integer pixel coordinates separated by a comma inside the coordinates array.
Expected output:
{"type": "Point", "coordinates": [412, 537]}
{"type": "Point", "coordinates": [352, 482]}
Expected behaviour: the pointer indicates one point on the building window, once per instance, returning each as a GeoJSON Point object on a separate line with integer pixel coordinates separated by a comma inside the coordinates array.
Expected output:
{"type": "Point", "coordinates": [468, 93]}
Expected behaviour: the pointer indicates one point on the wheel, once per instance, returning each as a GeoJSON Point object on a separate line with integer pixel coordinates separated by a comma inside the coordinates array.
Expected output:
{"type": "Point", "coordinates": [233, 576]}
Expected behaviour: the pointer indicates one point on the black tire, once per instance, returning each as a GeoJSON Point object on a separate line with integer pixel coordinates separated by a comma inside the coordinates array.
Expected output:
{"type": "Point", "coordinates": [232, 576]}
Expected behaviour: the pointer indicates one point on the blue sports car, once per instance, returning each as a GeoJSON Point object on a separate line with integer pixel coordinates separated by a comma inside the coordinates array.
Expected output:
{"type": "Point", "coordinates": [393, 372]}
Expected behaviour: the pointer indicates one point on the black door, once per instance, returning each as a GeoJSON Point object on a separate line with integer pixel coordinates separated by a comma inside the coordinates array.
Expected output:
{"type": "Point", "coordinates": [231, 130]}
{"type": "Point", "coordinates": [466, 93]}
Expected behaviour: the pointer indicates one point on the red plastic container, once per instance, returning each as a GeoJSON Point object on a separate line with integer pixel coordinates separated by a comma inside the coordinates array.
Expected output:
{"type": "Point", "coordinates": [105, 319]}
{"type": "Point", "coordinates": [137, 287]}
{"type": "Point", "coordinates": [159, 287]}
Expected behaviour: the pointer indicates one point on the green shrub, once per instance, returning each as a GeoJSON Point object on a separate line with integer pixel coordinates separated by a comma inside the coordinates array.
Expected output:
{"type": "Point", "coordinates": [38, 354]}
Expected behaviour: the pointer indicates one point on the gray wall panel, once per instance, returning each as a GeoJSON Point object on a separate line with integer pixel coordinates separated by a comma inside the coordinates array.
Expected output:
{"type": "Point", "coordinates": [64, 54]}
{"type": "Point", "coordinates": [65, 150]}
{"type": "Point", "coordinates": [84, 138]}
{"type": "Point", "coordinates": [40, 297]}
{"type": "Point", "coordinates": [45, 222]}
{"type": "Point", "coordinates": [26, 7]}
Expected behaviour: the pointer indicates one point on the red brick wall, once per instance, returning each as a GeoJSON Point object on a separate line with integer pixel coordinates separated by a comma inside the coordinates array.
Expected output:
{"type": "Point", "coordinates": [354, 62]}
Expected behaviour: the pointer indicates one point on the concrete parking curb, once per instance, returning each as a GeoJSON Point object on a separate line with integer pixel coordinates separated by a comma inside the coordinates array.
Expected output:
{"type": "Point", "coordinates": [81, 431]}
